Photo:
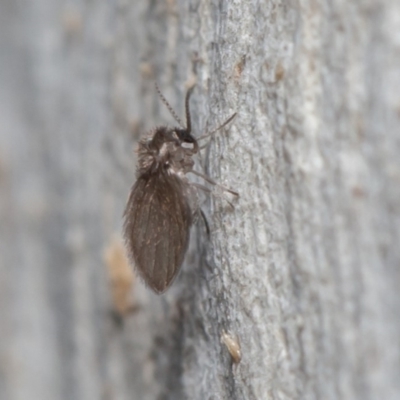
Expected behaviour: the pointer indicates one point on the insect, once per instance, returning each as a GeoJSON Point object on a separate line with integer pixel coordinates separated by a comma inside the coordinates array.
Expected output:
{"type": "Point", "coordinates": [163, 203]}
{"type": "Point", "coordinates": [233, 346]}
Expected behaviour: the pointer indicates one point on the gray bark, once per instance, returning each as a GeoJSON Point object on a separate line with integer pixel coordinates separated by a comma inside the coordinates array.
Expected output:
{"type": "Point", "coordinates": [304, 271]}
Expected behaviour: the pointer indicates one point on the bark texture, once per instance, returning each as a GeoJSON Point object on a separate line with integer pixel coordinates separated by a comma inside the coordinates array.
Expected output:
{"type": "Point", "coordinates": [304, 271]}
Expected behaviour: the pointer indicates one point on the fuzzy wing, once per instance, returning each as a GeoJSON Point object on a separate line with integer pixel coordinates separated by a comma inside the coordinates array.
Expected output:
{"type": "Point", "coordinates": [157, 228]}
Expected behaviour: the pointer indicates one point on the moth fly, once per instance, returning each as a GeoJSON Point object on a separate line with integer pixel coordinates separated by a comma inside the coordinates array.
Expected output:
{"type": "Point", "coordinates": [163, 203]}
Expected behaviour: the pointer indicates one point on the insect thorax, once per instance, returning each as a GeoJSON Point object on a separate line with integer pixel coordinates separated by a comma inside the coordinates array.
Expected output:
{"type": "Point", "coordinates": [164, 151]}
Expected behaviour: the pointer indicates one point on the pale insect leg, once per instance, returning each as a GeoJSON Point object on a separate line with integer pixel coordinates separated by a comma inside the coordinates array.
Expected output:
{"type": "Point", "coordinates": [207, 190]}
{"type": "Point", "coordinates": [212, 182]}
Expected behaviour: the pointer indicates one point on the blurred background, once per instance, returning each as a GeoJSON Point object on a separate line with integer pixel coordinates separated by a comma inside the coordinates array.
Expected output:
{"type": "Point", "coordinates": [68, 122]}
{"type": "Point", "coordinates": [305, 271]}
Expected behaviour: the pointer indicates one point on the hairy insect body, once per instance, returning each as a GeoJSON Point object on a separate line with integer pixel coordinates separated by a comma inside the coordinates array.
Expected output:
{"type": "Point", "coordinates": [162, 206]}
{"type": "Point", "coordinates": [163, 203]}
{"type": "Point", "coordinates": [163, 151]}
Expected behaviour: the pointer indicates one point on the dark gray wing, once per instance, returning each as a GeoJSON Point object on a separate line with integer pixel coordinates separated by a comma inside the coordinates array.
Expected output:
{"type": "Point", "coordinates": [157, 228]}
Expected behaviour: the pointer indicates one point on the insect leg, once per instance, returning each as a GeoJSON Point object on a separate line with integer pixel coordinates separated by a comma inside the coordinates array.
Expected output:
{"type": "Point", "coordinates": [207, 190]}
{"type": "Point", "coordinates": [205, 222]}
{"type": "Point", "coordinates": [212, 182]}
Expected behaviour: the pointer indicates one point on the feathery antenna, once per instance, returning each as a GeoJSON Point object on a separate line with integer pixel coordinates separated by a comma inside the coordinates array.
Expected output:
{"type": "Point", "coordinates": [170, 109]}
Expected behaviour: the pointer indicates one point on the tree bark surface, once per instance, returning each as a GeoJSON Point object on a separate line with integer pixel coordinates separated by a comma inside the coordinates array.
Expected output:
{"type": "Point", "coordinates": [303, 270]}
